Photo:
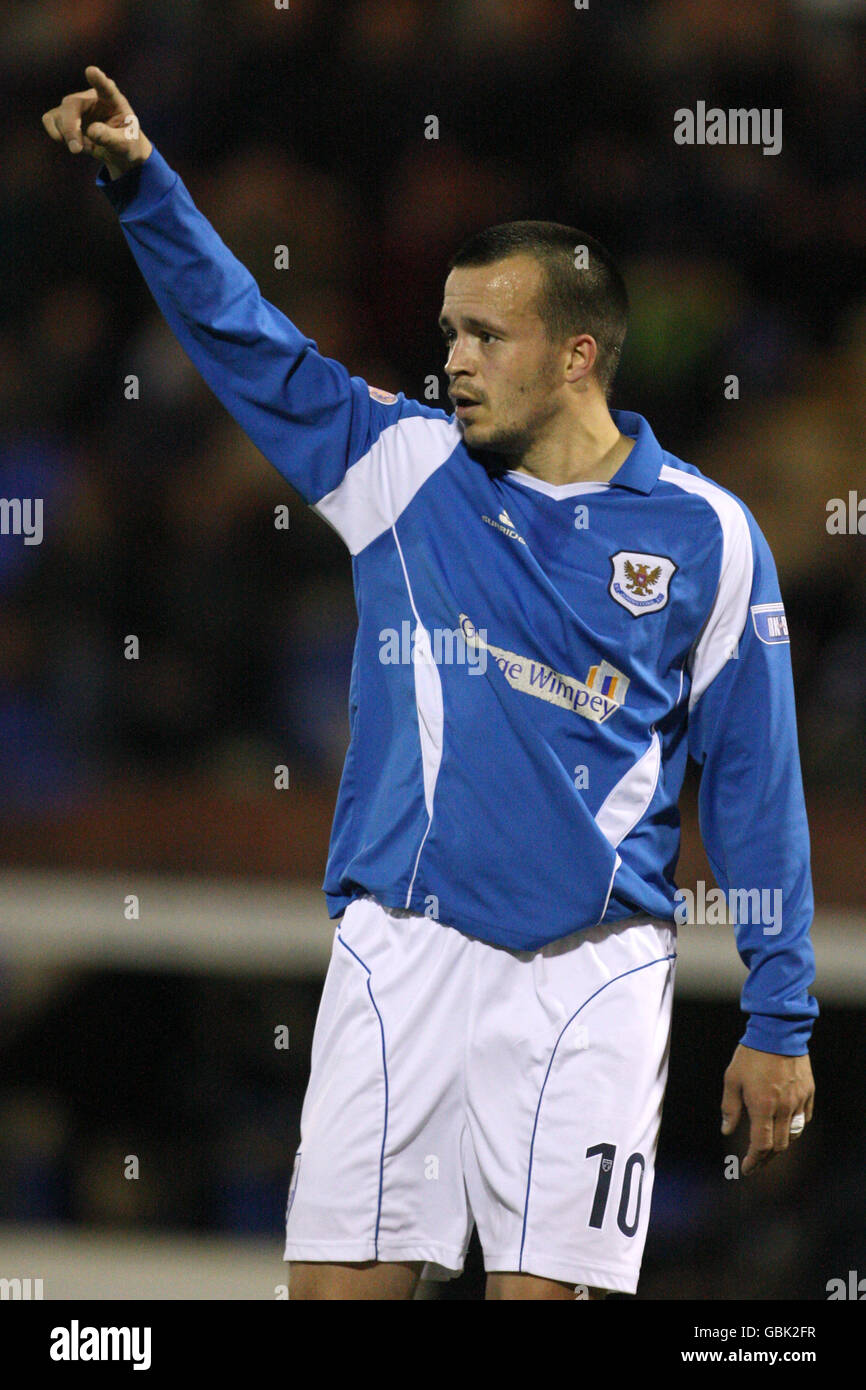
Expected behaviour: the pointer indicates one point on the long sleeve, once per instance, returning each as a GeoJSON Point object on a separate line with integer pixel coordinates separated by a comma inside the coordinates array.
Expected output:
{"type": "Point", "coordinates": [307, 415]}
{"type": "Point", "coordinates": [742, 729]}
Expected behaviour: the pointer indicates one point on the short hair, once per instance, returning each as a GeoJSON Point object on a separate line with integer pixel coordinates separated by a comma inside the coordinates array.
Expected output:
{"type": "Point", "coordinates": [573, 298]}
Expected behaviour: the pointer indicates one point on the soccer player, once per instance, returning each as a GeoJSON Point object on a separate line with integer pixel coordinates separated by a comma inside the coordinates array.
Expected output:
{"type": "Point", "coordinates": [553, 613]}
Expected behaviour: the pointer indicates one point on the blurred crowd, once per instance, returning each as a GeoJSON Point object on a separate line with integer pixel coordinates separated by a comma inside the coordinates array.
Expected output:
{"type": "Point", "coordinates": [306, 126]}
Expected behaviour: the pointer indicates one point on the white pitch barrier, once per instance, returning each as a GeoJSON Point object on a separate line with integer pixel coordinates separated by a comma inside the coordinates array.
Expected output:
{"type": "Point", "coordinates": [51, 1263]}
{"type": "Point", "coordinates": [260, 927]}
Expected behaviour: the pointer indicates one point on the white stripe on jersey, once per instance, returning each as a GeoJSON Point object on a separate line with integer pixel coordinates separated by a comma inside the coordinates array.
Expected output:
{"type": "Point", "coordinates": [382, 483]}
{"type": "Point", "coordinates": [628, 802]}
{"type": "Point", "coordinates": [730, 610]}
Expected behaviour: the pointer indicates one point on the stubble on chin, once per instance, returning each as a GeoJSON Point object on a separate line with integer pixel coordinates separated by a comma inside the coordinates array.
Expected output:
{"type": "Point", "coordinates": [488, 452]}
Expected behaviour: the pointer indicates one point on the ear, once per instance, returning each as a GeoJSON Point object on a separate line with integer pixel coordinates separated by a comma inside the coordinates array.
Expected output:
{"type": "Point", "coordinates": [581, 356]}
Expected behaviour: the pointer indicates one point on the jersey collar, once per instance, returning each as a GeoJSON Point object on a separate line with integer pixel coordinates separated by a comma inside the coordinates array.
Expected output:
{"type": "Point", "coordinates": [641, 469]}
{"type": "Point", "coordinates": [639, 472]}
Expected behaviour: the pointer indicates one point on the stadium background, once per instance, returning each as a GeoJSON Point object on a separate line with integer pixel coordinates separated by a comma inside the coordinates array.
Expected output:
{"type": "Point", "coordinates": [306, 128]}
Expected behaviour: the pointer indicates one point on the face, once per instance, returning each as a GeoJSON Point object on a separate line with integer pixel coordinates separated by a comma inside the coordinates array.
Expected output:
{"type": "Point", "coordinates": [506, 378]}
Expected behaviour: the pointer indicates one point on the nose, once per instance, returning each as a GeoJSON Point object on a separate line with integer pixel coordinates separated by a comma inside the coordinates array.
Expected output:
{"type": "Point", "coordinates": [459, 361]}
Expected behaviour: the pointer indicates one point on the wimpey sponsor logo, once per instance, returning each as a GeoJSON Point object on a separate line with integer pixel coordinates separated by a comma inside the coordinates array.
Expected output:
{"type": "Point", "coordinates": [597, 698]}
{"type": "Point", "coordinates": [77, 1343]}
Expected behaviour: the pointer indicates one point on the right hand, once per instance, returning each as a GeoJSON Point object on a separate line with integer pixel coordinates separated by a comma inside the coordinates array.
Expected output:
{"type": "Point", "coordinates": [101, 122]}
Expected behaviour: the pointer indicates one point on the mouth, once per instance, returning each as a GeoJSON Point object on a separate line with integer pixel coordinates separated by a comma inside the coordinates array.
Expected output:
{"type": "Point", "coordinates": [463, 404]}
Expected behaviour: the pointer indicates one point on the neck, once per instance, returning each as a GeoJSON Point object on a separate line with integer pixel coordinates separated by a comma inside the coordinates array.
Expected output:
{"type": "Point", "coordinates": [577, 448]}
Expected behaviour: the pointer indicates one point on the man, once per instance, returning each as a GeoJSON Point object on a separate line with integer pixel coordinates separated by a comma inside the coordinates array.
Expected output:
{"type": "Point", "coordinates": [552, 613]}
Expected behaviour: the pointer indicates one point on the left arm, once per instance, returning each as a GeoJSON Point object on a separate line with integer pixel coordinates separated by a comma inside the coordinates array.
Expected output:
{"type": "Point", "coordinates": [742, 729]}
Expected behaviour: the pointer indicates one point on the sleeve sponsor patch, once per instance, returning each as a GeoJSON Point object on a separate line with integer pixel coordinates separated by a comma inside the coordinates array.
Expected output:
{"type": "Point", "coordinates": [770, 623]}
{"type": "Point", "coordinates": [378, 394]}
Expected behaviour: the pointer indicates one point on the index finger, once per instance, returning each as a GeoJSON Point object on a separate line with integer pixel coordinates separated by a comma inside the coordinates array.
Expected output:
{"type": "Point", "coordinates": [105, 86]}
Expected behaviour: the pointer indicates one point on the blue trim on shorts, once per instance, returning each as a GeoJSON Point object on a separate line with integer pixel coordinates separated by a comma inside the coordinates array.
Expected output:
{"type": "Point", "coordinates": [293, 1185]}
{"type": "Point", "coordinates": [566, 1026]}
{"type": "Point", "coordinates": [385, 1070]}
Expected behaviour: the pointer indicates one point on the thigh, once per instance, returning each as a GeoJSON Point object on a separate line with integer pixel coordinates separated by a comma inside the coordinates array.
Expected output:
{"type": "Point", "coordinates": [568, 1067]}
{"type": "Point", "coordinates": [371, 1280]}
{"type": "Point", "coordinates": [379, 1171]}
{"type": "Point", "coordinates": [530, 1286]}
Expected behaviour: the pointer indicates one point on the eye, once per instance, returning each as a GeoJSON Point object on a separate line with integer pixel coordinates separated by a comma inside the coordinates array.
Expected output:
{"type": "Point", "coordinates": [487, 338]}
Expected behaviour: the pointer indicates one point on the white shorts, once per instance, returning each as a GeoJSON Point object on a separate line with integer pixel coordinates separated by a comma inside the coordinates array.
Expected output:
{"type": "Point", "coordinates": [455, 1082]}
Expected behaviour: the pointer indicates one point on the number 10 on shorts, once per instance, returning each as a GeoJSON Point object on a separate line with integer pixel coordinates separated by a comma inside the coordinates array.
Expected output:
{"type": "Point", "coordinates": [606, 1154]}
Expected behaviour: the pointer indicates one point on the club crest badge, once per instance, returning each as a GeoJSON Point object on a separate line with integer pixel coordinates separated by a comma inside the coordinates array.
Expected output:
{"type": "Point", "coordinates": [386, 397]}
{"type": "Point", "coordinates": [639, 582]}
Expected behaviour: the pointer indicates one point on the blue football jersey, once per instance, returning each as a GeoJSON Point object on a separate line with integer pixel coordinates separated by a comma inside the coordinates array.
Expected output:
{"type": "Point", "coordinates": [533, 662]}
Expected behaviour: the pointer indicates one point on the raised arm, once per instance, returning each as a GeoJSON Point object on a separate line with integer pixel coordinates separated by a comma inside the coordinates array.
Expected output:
{"type": "Point", "coordinates": [308, 416]}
